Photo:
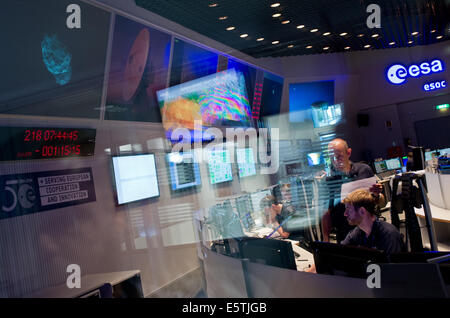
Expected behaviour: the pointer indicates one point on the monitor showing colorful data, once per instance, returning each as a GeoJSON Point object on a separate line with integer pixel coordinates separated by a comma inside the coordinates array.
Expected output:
{"type": "Point", "coordinates": [219, 166]}
{"type": "Point", "coordinates": [184, 171]}
{"type": "Point", "coordinates": [246, 162]}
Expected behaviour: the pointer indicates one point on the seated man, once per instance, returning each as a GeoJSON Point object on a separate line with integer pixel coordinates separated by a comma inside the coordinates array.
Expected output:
{"type": "Point", "coordinates": [369, 231]}
{"type": "Point", "coordinates": [344, 170]}
{"type": "Point", "coordinates": [279, 214]}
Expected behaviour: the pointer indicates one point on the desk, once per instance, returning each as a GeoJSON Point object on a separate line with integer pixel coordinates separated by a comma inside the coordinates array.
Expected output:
{"type": "Point", "coordinates": [441, 224]}
{"type": "Point", "coordinates": [303, 262]}
{"type": "Point", "coordinates": [89, 283]}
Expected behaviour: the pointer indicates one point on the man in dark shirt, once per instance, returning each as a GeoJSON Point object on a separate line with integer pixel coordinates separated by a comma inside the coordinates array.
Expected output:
{"type": "Point", "coordinates": [369, 231]}
{"type": "Point", "coordinates": [343, 170]}
{"type": "Point", "coordinates": [280, 213]}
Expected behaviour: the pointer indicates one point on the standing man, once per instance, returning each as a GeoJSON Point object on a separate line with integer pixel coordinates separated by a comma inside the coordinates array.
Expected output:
{"type": "Point", "coordinates": [343, 170]}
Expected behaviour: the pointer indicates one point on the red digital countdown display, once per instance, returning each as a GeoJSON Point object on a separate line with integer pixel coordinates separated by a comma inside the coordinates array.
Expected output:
{"type": "Point", "coordinates": [40, 143]}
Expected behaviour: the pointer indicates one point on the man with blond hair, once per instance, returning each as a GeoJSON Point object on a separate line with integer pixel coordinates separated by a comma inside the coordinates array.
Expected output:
{"type": "Point", "coordinates": [369, 231]}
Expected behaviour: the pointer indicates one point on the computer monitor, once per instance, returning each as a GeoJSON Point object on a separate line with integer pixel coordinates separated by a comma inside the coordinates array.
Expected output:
{"type": "Point", "coordinates": [135, 177]}
{"type": "Point", "coordinates": [380, 166]}
{"type": "Point", "coordinates": [244, 208]}
{"type": "Point", "coordinates": [268, 251]}
{"type": "Point", "coordinates": [444, 152]}
{"type": "Point", "coordinates": [246, 162]}
{"type": "Point", "coordinates": [344, 260]}
{"type": "Point", "coordinates": [429, 155]}
{"type": "Point", "coordinates": [225, 220]}
{"type": "Point", "coordinates": [219, 163]}
{"type": "Point", "coordinates": [393, 164]}
{"type": "Point", "coordinates": [315, 159]}
{"type": "Point", "coordinates": [184, 171]}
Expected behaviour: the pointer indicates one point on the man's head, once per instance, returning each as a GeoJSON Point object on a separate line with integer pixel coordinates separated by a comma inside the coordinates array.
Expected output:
{"type": "Point", "coordinates": [359, 205]}
{"type": "Point", "coordinates": [339, 154]}
{"type": "Point", "coordinates": [286, 192]}
{"type": "Point", "coordinates": [270, 205]}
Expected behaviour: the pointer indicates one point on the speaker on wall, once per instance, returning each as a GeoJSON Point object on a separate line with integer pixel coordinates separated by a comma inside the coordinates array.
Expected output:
{"type": "Point", "coordinates": [362, 120]}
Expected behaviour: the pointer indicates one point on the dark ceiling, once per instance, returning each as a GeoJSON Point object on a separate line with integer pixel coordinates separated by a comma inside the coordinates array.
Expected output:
{"type": "Point", "coordinates": [399, 19]}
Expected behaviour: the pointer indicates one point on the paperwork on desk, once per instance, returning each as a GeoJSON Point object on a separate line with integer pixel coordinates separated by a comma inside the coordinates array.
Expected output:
{"type": "Point", "coordinates": [358, 184]}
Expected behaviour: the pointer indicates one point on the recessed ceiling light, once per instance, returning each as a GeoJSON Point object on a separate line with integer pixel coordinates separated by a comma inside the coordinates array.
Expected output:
{"type": "Point", "coordinates": [439, 37]}
{"type": "Point", "coordinates": [326, 48]}
{"type": "Point", "coordinates": [291, 46]}
{"type": "Point", "coordinates": [223, 18]}
{"type": "Point", "coordinates": [244, 35]}
{"type": "Point", "coordinates": [360, 35]}
{"type": "Point", "coordinates": [213, 5]}
{"type": "Point", "coordinates": [327, 33]}
{"type": "Point", "coordinates": [314, 30]}
{"type": "Point", "coordinates": [231, 28]}
{"type": "Point", "coordinates": [274, 5]}
{"type": "Point", "coordinates": [260, 39]}
{"type": "Point", "coordinates": [301, 26]}
{"type": "Point", "coordinates": [343, 34]}
{"type": "Point", "coordinates": [375, 35]}
{"type": "Point", "coordinates": [391, 43]}
{"type": "Point", "coordinates": [414, 33]}
{"type": "Point", "coordinates": [275, 42]}
{"type": "Point", "coordinates": [432, 31]}
{"type": "Point", "coordinates": [347, 48]}
{"type": "Point", "coordinates": [410, 42]}
{"type": "Point", "coordinates": [367, 46]}
{"type": "Point", "coordinates": [309, 47]}
{"type": "Point", "coordinates": [276, 15]}
{"type": "Point", "coordinates": [285, 22]}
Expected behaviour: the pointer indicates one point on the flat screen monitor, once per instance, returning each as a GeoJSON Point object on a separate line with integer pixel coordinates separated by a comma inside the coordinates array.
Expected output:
{"type": "Point", "coordinates": [225, 220]}
{"type": "Point", "coordinates": [245, 209]}
{"type": "Point", "coordinates": [268, 251]}
{"type": "Point", "coordinates": [393, 164]}
{"type": "Point", "coordinates": [429, 155]}
{"type": "Point", "coordinates": [315, 159]}
{"type": "Point", "coordinates": [135, 178]}
{"type": "Point", "coordinates": [184, 171]}
{"type": "Point", "coordinates": [444, 152]}
{"type": "Point", "coordinates": [380, 166]}
{"type": "Point", "coordinates": [219, 166]}
{"type": "Point", "coordinates": [217, 99]}
{"type": "Point", "coordinates": [326, 115]}
{"type": "Point", "coordinates": [344, 260]}
{"type": "Point", "coordinates": [246, 162]}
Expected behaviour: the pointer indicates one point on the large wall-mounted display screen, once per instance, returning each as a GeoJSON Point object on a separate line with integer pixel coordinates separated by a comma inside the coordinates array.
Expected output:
{"type": "Point", "coordinates": [212, 100]}
{"type": "Point", "coordinates": [314, 101]}
{"type": "Point", "coordinates": [219, 166]}
{"type": "Point", "coordinates": [19, 143]}
{"type": "Point", "coordinates": [184, 171]}
{"type": "Point", "coordinates": [49, 66]}
{"type": "Point", "coordinates": [246, 162]}
{"type": "Point", "coordinates": [135, 178]}
{"type": "Point", "coordinates": [139, 67]}
{"type": "Point", "coordinates": [190, 62]}
{"type": "Point", "coordinates": [272, 91]}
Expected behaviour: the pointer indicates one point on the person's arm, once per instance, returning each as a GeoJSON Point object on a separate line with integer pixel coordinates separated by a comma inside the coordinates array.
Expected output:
{"type": "Point", "coordinates": [376, 189]}
{"type": "Point", "coordinates": [283, 233]}
{"type": "Point", "coordinates": [326, 226]}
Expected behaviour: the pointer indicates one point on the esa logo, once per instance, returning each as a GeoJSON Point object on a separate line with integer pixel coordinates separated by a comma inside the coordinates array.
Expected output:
{"type": "Point", "coordinates": [397, 73]}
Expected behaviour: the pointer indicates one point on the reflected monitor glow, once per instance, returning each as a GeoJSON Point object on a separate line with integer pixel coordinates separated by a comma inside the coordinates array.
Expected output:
{"type": "Point", "coordinates": [326, 115]}
{"type": "Point", "coordinates": [315, 159]}
{"type": "Point", "coordinates": [246, 162]}
{"type": "Point", "coordinates": [219, 166]}
{"type": "Point", "coordinates": [135, 177]}
{"type": "Point", "coordinates": [393, 164]}
{"type": "Point", "coordinates": [210, 100]}
{"type": "Point", "coordinates": [184, 171]}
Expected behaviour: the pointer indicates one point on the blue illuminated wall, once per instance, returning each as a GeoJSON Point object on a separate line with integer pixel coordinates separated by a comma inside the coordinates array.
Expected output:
{"type": "Point", "coordinates": [303, 95]}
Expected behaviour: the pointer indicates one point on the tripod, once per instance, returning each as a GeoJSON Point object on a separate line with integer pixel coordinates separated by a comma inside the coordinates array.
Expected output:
{"type": "Point", "coordinates": [409, 198]}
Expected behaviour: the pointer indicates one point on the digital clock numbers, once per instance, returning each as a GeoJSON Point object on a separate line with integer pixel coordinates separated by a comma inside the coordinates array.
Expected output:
{"type": "Point", "coordinates": [20, 143]}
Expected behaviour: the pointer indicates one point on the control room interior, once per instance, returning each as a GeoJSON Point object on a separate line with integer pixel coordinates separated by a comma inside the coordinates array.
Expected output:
{"type": "Point", "coordinates": [140, 138]}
